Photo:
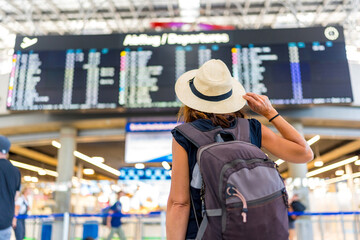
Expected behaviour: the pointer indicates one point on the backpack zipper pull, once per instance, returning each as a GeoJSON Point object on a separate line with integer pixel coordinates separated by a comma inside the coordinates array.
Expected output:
{"type": "Point", "coordinates": [244, 214]}
{"type": "Point", "coordinates": [243, 200]}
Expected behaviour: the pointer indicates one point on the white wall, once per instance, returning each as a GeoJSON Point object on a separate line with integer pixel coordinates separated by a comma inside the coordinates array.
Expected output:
{"type": "Point", "coordinates": [4, 83]}
{"type": "Point", "coordinates": [355, 81]}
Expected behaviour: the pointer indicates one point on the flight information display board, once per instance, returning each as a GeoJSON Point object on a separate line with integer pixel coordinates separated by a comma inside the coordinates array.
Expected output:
{"type": "Point", "coordinates": [139, 70]}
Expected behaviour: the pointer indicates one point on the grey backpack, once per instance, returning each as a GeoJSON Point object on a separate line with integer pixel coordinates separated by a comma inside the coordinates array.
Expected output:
{"type": "Point", "coordinates": [244, 194]}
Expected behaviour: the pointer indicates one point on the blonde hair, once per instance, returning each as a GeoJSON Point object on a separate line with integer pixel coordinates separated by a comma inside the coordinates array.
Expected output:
{"type": "Point", "coordinates": [23, 190]}
{"type": "Point", "coordinates": [188, 114]}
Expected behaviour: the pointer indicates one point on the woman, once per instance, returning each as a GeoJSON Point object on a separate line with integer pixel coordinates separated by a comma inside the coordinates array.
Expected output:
{"type": "Point", "coordinates": [211, 98]}
{"type": "Point", "coordinates": [21, 210]}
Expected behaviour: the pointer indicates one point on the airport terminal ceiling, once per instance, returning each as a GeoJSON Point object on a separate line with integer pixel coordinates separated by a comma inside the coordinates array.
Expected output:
{"type": "Point", "coordinates": [113, 153]}
{"type": "Point", "coordinates": [49, 17]}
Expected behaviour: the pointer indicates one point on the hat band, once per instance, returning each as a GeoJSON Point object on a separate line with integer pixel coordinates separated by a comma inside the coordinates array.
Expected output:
{"type": "Point", "coordinates": [208, 98]}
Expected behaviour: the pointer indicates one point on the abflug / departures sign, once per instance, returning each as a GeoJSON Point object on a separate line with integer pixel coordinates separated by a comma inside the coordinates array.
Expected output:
{"type": "Point", "coordinates": [139, 70]}
{"type": "Point", "coordinates": [175, 39]}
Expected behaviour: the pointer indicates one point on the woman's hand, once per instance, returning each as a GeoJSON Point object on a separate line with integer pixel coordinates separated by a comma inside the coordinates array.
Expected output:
{"type": "Point", "coordinates": [291, 145]}
{"type": "Point", "coordinates": [260, 104]}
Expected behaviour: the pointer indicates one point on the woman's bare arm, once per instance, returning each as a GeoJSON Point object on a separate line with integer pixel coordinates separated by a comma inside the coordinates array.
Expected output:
{"type": "Point", "coordinates": [290, 146]}
{"type": "Point", "coordinates": [178, 206]}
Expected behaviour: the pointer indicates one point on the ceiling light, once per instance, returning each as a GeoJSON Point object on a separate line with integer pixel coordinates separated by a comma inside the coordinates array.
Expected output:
{"type": "Point", "coordinates": [139, 166]}
{"type": "Point", "coordinates": [357, 162]}
{"type": "Point", "coordinates": [189, 10]}
{"type": "Point", "coordinates": [34, 179]}
{"type": "Point", "coordinates": [42, 172]}
{"type": "Point", "coordinates": [318, 163]}
{"type": "Point", "coordinates": [56, 144]}
{"type": "Point", "coordinates": [313, 140]}
{"type": "Point", "coordinates": [189, 4]}
{"type": "Point", "coordinates": [90, 160]}
{"type": "Point", "coordinates": [337, 179]}
{"type": "Point", "coordinates": [339, 172]}
{"type": "Point", "coordinates": [99, 159]}
{"type": "Point", "coordinates": [166, 165]}
{"type": "Point", "coordinates": [279, 162]}
{"type": "Point", "coordinates": [332, 166]}
{"type": "Point", "coordinates": [33, 168]}
{"type": "Point", "coordinates": [88, 171]}
{"type": "Point", "coordinates": [344, 177]}
{"type": "Point", "coordinates": [27, 178]}
{"type": "Point", "coordinates": [93, 162]}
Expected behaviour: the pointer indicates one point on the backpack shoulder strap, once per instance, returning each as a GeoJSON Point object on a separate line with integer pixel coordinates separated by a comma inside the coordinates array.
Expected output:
{"type": "Point", "coordinates": [196, 136]}
{"type": "Point", "coordinates": [242, 130]}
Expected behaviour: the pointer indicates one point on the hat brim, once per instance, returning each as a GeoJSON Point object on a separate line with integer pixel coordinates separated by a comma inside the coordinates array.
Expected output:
{"type": "Point", "coordinates": [232, 104]}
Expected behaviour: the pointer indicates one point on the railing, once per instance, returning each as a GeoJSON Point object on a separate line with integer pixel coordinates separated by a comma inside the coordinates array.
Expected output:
{"type": "Point", "coordinates": [65, 226]}
{"type": "Point", "coordinates": [329, 225]}
{"type": "Point", "coordinates": [325, 226]}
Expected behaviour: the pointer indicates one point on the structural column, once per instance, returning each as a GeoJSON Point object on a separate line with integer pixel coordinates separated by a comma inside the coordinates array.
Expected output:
{"type": "Point", "coordinates": [350, 182]}
{"type": "Point", "coordinates": [79, 175]}
{"type": "Point", "coordinates": [298, 173]}
{"type": "Point", "coordinates": [65, 169]}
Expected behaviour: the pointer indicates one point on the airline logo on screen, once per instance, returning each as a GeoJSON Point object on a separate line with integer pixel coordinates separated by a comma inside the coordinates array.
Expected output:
{"type": "Point", "coordinates": [27, 42]}
{"type": "Point", "coordinates": [175, 39]}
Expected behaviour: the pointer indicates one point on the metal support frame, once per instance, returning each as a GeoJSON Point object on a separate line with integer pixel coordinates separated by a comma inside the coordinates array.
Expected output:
{"type": "Point", "coordinates": [134, 16]}
{"type": "Point", "coordinates": [293, 10]}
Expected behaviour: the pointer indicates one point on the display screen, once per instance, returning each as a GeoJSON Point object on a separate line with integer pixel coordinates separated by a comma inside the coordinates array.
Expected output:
{"type": "Point", "coordinates": [148, 141]}
{"type": "Point", "coordinates": [139, 70]}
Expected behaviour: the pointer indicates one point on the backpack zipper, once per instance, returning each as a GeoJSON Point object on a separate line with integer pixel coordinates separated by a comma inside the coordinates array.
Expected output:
{"type": "Point", "coordinates": [229, 165]}
{"type": "Point", "coordinates": [245, 204]}
{"type": "Point", "coordinates": [260, 200]}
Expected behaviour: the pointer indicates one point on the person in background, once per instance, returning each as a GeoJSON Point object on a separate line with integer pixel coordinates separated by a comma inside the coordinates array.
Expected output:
{"type": "Point", "coordinates": [21, 210]}
{"type": "Point", "coordinates": [114, 222]}
{"type": "Point", "coordinates": [294, 206]}
{"type": "Point", "coordinates": [10, 180]}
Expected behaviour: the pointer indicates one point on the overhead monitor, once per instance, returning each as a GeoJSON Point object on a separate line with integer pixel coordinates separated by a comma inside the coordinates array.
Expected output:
{"type": "Point", "coordinates": [139, 70]}
{"type": "Point", "coordinates": [147, 142]}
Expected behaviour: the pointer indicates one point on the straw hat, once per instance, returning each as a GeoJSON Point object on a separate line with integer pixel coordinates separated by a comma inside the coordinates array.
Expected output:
{"type": "Point", "coordinates": [211, 89]}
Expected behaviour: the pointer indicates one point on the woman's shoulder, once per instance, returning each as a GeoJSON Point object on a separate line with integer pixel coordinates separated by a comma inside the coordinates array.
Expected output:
{"type": "Point", "coordinates": [255, 132]}
{"type": "Point", "coordinates": [254, 121]}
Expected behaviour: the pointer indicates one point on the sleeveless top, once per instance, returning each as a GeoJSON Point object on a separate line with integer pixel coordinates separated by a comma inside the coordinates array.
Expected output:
{"type": "Point", "coordinates": [191, 149]}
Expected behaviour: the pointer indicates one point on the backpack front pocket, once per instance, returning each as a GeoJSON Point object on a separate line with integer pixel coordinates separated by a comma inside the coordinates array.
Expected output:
{"type": "Point", "coordinates": [265, 219]}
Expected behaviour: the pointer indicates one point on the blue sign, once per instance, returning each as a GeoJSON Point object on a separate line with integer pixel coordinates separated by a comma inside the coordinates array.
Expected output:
{"type": "Point", "coordinates": [153, 173]}
{"type": "Point", "coordinates": [150, 126]}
